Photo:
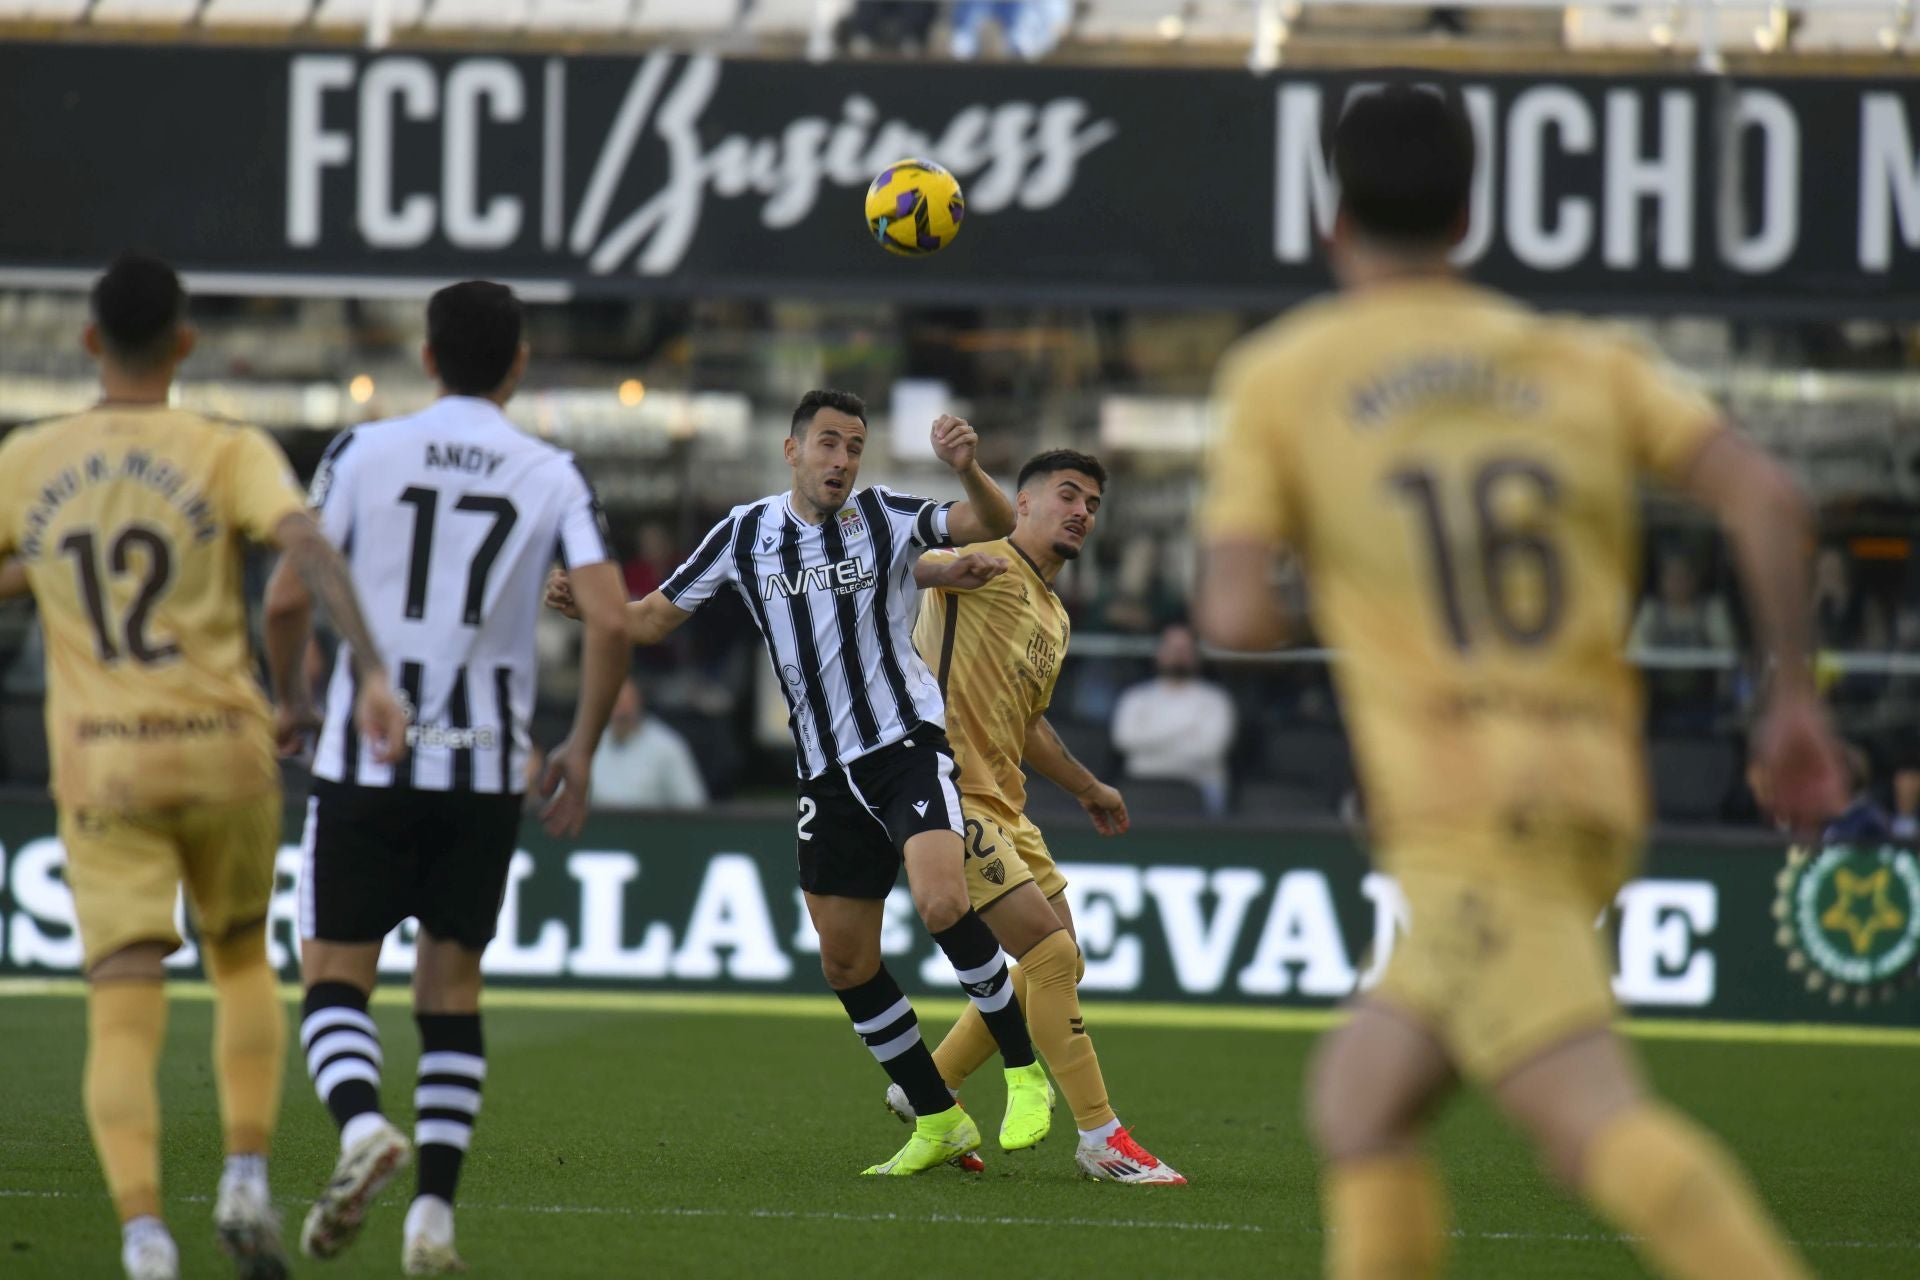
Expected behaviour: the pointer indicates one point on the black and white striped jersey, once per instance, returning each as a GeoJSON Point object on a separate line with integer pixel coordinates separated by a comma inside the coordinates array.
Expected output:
{"type": "Point", "coordinates": [449, 520]}
{"type": "Point", "coordinates": [835, 603]}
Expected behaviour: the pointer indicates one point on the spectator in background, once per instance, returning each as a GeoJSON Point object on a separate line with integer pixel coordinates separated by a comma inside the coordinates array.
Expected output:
{"type": "Point", "coordinates": [642, 763]}
{"type": "Point", "coordinates": [1680, 616]}
{"type": "Point", "coordinates": [1030, 29]}
{"type": "Point", "coordinates": [1838, 609]}
{"type": "Point", "coordinates": [888, 26]}
{"type": "Point", "coordinates": [1177, 725]}
{"type": "Point", "coordinates": [653, 562]}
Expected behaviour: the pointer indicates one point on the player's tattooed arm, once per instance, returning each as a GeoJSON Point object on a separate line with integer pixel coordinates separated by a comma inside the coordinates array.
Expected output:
{"type": "Point", "coordinates": [13, 579]}
{"type": "Point", "coordinates": [987, 513]}
{"type": "Point", "coordinates": [323, 576]}
{"type": "Point", "coordinates": [1051, 760]}
{"type": "Point", "coordinates": [957, 573]}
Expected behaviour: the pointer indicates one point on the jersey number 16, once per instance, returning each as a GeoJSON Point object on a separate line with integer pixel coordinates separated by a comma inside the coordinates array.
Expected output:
{"type": "Point", "coordinates": [1504, 548]}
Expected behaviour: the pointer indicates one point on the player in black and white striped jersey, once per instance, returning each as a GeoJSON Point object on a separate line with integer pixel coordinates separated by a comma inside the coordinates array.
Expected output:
{"type": "Point", "coordinates": [448, 519]}
{"type": "Point", "coordinates": [827, 574]}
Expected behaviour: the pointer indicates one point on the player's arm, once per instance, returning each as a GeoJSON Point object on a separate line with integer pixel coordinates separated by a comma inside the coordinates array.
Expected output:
{"type": "Point", "coordinates": [599, 599]}
{"type": "Point", "coordinates": [13, 579]}
{"type": "Point", "coordinates": [1770, 525]}
{"type": "Point", "coordinates": [1051, 760]}
{"type": "Point", "coordinates": [648, 621]}
{"type": "Point", "coordinates": [987, 513]}
{"type": "Point", "coordinates": [323, 576]}
{"type": "Point", "coordinates": [1239, 602]}
{"type": "Point", "coordinates": [946, 572]}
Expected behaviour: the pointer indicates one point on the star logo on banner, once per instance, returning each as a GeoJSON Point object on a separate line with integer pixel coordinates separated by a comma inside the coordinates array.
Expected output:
{"type": "Point", "coordinates": [1871, 891]}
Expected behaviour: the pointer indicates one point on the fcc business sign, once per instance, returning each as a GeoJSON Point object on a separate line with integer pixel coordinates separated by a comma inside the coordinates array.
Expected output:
{"type": "Point", "coordinates": [664, 173]}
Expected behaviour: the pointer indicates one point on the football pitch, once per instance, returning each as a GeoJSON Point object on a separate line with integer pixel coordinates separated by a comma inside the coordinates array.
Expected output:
{"type": "Point", "coordinates": [637, 1136]}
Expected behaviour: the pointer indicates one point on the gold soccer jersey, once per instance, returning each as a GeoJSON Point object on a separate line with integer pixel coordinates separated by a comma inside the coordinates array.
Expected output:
{"type": "Point", "coordinates": [1459, 475]}
{"type": "Point", "coordinates": [129, 520]}
{"type": "Point", "coordinates": [997, 652]}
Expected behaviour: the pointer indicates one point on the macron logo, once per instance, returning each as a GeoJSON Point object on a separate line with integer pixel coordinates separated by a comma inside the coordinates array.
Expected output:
{"type": "Point", "coordinates": [920, 807]}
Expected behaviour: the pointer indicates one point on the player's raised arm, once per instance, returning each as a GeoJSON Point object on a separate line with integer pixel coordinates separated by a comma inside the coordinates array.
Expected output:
{"type": "Point", "coordinates": [987, 513]}
{"type": "Point", "coordinates": [649, 620]}
{"type": "Point", "coordinates": [943, 571]}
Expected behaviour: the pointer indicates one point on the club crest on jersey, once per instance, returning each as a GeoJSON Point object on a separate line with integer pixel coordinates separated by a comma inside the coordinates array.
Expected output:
{"type": "Point", "coordinates": [843, 578]}
{"type": "Point", "coordinates": [851, 521]}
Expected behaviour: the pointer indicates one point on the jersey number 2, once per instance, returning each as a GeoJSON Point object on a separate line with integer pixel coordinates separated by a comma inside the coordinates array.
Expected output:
{"type": "Point", "coordinates": [131, 636]}
{"type": "Point", "coordinates": [426, 506]}
{"type": "Point", "coordinates": [1503, 545]}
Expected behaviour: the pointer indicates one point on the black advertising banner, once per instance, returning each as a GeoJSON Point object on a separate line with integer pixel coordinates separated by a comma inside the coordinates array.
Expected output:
{"type": "Point", "coordinates": [345, 172]}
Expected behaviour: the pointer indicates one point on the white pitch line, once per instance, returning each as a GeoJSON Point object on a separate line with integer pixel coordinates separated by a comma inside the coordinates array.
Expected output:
{"type": "Point", "coordinates": [979, 1220]}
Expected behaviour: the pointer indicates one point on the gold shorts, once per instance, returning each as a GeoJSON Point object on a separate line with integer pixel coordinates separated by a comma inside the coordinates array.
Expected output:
{"type": "Point", "coordinates": [1498, 973]}
{"type": "Point", "coordinates": [1003, 853]}
{"type": "Point", "coordinates": [125, 870]}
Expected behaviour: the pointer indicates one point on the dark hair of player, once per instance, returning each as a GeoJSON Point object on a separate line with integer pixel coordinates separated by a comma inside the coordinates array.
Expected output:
{"type": "Point", "coordinates": [814, 401]}
{"type": "Point", "coordinates": [1404, 159]}
{"type": "Point", "coordinates": [473, 330]}
{"type": "Point", "coordinates": [138, 306]}
{"type": "Point", "coordinates": [1045, 464]}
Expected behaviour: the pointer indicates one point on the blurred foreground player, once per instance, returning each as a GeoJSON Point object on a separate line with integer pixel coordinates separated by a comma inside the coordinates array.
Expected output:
{"type": "Point", "coordinates": [993, 630]}
{"type": "Point", "coordinates": [1459, 474]}
{"type": "Point", "coordinates": [129, 520]}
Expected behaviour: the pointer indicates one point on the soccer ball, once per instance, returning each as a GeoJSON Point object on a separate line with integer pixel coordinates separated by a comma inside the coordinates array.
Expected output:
{"type": "Point", "coordinates": [914, 208]}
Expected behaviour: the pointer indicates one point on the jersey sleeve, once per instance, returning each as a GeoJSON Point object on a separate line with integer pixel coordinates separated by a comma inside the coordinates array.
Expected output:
{"type": "Point", "coordinates": [583, 537]}
{"type": "Point", "coordinates": [1248, 494]}
{"type": "Point", "coordinates": [1668, 420]}
{"type": "Point", "coordinates": [9, 492]}
{"type": "Point", "coordinates": [329, 494]}
{"type": "Point", "coordinates": [922, 520]}
{"type": "Point", "coordinates": [706, 571]}
{"type": "Point", "coordinates": [261, 487]}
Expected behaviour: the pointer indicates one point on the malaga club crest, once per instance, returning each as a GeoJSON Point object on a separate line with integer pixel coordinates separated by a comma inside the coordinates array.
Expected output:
{"type": "Point", "coordinates": [1849, 919]}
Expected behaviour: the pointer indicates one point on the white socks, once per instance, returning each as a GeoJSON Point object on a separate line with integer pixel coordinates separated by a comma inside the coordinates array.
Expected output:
{"type": "Point", "coordinates": [1095, 1137]}
{"type": "Point", "coordinates": [359, 1129]}
{"type": "Point", "coordinates": [248, 1168]}
{"type": "Point", "coordinates": [432, 1217]}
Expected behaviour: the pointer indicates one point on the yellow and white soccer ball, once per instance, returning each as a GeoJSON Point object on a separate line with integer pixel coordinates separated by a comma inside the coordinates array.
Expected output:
{"type": "Point", "coordinates": [915, 208]}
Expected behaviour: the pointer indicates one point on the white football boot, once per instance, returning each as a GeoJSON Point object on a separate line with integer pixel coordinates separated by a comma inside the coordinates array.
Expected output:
{"type": "Point", "coordinates": [334, 1221]}
{"type": "Point", "coordinates": [1121, 1159]}
{"type": "Point", "coordinates": [249, 1229]}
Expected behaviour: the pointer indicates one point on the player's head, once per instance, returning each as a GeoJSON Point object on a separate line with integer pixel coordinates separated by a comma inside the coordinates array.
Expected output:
{"type": "Point", "coordinates": [1404, 160]}
{"type": "Point", "coordinates": [139, 323]}
{"type": "Point", "coordinates": [474, 346]}
{"type": "Point", "coordinates": [1059, 498]}
{"type": "Point", "coordinates": [824, 444]}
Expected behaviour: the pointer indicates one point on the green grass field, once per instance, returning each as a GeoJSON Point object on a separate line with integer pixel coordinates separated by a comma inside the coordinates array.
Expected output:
{"type": "Point", "coordinates": [725, 1142]}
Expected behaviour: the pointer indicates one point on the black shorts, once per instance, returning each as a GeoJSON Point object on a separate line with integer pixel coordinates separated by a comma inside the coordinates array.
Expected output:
{"type": "Point", "coordinates": [855, 819]}
{"type": "Point", "coordinates": [372, 856]}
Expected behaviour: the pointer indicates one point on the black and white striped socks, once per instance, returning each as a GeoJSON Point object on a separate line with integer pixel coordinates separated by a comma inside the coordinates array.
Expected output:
{"type": "Point", "coordinates": [453, 1067]}
{"type": "Point", "coordinates": [981, 966]}
{"type": "Point", "coordinates": [883, 1018]}
{"type": "Point", "coordinates": [343, 1056]}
